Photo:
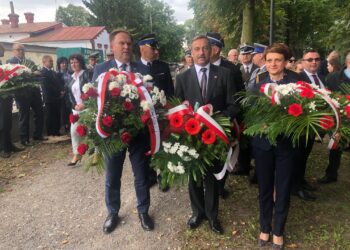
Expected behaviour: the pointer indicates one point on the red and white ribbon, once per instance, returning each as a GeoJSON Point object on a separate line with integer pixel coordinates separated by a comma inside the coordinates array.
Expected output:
{"type": "Point", "coordinates": [101, 90]}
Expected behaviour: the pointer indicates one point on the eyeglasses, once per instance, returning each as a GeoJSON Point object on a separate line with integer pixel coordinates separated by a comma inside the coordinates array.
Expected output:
{"type": "Point", "coordinates": [291, 61]}
{"type": "Point", "coordinates": [312, 59]}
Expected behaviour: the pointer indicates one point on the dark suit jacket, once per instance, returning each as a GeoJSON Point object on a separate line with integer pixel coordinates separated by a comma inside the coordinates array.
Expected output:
{"type": "Point", "coordinates": [246, 76]}
{"type": "Point", "coordinates": [105, 66]}
{"type": "Point", "coordinates": [161, 75]}
{"type": "Point", "coordinates": [236, 74]}
{"type": "Point", "coordinates": [261, 142]}
{"type": "Point", "coordinates": [220, 91]}
{"type": "Point", "coordinates": [305, 78]}
{"type": "Point", "coordinates": [27, 62]}
{"type": "Point", "coordinates": [51, 84]}
{"type": "Point", "coordinates": [335, 79]}
{"type": "Point", "coordinates": [83, 79]}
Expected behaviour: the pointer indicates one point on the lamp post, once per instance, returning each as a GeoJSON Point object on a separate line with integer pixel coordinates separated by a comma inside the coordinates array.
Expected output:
{"type": "Point", "coordinates": [272, 17]}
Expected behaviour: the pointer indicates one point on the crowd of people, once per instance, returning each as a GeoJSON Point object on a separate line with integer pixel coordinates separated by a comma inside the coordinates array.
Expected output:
{"type": "Point", "coordinates": [205, 77]}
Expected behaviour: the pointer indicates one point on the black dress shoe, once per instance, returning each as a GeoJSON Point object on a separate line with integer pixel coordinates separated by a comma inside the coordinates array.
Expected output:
{"type": "Point", "coordinates": [146, 222]}
{"type": "Point", "coordinates": [26, 144]}
{"type": "Point", "coordinates": [307, 186]}
{"type": "Point", "coordinates": [111, 223]}
{"type": "Point", "coordinates": [16, 149]}
{"type": "Point", "coordinates": [194, 221]}
{"type": "Point", "coordinates": [4, 154]}
{"type": "Point", "coordinates": [216, 227]}
{"type": "Point", "coordinates": [277, 246]}
{"type": "Point", "coordinates": [326, 179]}
{"type": "Point", "coordinates": [304, 195]}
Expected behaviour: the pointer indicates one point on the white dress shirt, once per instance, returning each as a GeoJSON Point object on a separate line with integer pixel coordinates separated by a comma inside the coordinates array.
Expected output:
{"type": "Point", "coordinates": [119, 64]}
{"type": "Point", "coordinates": [200, 73]}
{"type": "Point", "coordinates": [76, 88]}
{"type": "Point", "coordinates": [312, 78]}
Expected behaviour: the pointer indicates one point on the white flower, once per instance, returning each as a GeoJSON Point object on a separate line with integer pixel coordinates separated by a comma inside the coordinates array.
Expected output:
{"type": "Point", "coordinates": [123, 93]}
{"type": "Point", "coordinates": [166, 144]}
{"type": "Point", "coordinates": [179, 169]}
{"type": "Point", "coordinates": [183, 148]}
{"type": "Point", "coordinates": [147, 78]}
{"type": "Point", "coordinates": [312, 105]}
{"type": "Point", "coordinates": [192, 152]}
{"type": "Point", "coordinates": [127, 88]}
{"type": "Point", "coordinates": [113, 85]}
{"type": "Point", "coordinates": [145, 105]}
{"type": "Point", "coordinates": [87, 86]}
{"type": "Point", "coordinates": [180, 153]}
{"type": "Point", "coordinates": [132, 96]}
{"type": "Point", "coordinates": [171, 166]}
{"type": "Point", "coordinates": [187, 158]}
{"type": "Point", "coordinates": [121, 78]}
{"type": "Point", "coordinates": [172, 150]}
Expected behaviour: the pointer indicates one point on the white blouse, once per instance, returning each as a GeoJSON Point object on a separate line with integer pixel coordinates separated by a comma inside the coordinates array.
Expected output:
{"type": "Point", "coordinates": [76, 87]}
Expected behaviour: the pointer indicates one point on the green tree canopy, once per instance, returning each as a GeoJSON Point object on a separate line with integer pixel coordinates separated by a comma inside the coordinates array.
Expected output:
{"type": "Point", "coordinates": [72, 15]}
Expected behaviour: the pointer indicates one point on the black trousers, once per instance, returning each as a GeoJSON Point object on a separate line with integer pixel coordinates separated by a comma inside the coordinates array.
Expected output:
{"type": "Point", "coordinates": [204, 196]}
{"type": "Point", "coordinates": [274, 169]}
{"type": "Point", "coordinates": [26, 101]}
{"type": "Point", "coordinates": [302, 154]}
{"type": "Point", "coordinates": [333, 163]}
{"type": "Point", "coordinates": [6, 126]}
{"type": "Point", "coordinates": [53, 117]}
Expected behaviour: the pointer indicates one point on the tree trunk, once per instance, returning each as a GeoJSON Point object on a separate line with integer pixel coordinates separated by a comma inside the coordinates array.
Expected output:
{"type": "Point", "coordinates": [247, 23]}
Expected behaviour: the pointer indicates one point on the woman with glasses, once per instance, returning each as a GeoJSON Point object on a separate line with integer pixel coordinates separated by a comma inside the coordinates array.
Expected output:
{"type": "Point", "coordinates": [79, 77]}
{"type": "Point", "coordinates": [274, 163]}
{"type": "Point", "coordinates": [291, 65]}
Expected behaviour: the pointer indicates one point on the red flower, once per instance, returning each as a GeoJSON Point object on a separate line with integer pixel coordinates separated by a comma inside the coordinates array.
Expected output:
{"type": "Point", "coordinates": [307, 93]}
{"type": "Point", "coordinates": [84, 97]}
{"type": "Point", "coordinates": [295, 109]}
{"type": "Point", "coordinates": [192, 126]}
{"type": "Point", "coordinates": [91, 92]}
{"type": "Point", "coordinates": [128, 106]}
{"type": "Point", "coordinates": [303, 84]}
{"type": "Point", "coordinates": [176, 120]}
{"type": "Point", "coordinates": [347, 110]}
{"type": "Point", "coordinates": [125, 137]}
{"type": "Point", "coordinates": [115, 92]}
{"type": "Point", "coordinates": [82, 148]}
{"type": "Point", "coordinates": [348, 97]}
{"type": "Point", "coordinates": [327, 122]}
{"type": "Point", "coordinates": [208, 137]}
{"type": "Point", "coordinates": [107, 121]}
{"type": "Point", "coordinates": [81, 130]}
{"type": "Point", "coordinates": [262, 87]}
{"type": "Point", "coordinates": [73, 118]}
{"type": "Point", "coordinates": [145, 117]}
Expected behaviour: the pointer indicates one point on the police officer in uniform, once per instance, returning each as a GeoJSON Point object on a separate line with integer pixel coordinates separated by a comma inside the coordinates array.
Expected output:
{"type": "Point", "coordinates": [246, 57]}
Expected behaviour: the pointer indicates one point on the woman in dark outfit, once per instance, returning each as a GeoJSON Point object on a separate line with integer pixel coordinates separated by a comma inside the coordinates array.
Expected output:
{"type": "Point", "coordinates": [274, 163]}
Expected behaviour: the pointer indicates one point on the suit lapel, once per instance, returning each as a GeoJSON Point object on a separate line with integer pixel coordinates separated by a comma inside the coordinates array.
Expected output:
{"type": "Point", "coordinates": [113, 64]}
{"type": "Point", "coordinates": [213, 77]}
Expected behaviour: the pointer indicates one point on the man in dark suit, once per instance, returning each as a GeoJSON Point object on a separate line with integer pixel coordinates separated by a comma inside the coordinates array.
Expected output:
{"type": "Point", "coordinates": [52, 93]}
{"type": "Point", "coordinates": [30, 100]}
{"type": "Point", "coordinates": [217, 43]}
{"type": "Point", "coordinates": [206, 83]}
{"type": "Point", "coordinates": [149, 64]}
{"type": "Point", "coordinates": [93, 59]}
{"type": "Point", "coordinates": [311, 63]}
{"type": "Point", "coordinates": [246, 58]}
{"type": "Point", "coordinates": [121, 45]}
{"type": "Point", "coordinates": [333, 83]}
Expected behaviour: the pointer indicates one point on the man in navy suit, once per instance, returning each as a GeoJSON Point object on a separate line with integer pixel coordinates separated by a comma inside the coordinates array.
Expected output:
{"type": "Point", "coordinates": [121, 45]}
{"type": "Point", "coordinates": [206, 83]}
{"type": "Point", "coordinates": [160, 72]}
{"type": "Point", "coordinates": [311, 63]}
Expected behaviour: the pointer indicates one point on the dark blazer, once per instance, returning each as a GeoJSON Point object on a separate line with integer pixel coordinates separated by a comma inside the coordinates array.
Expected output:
{"type": "Point", "coordinates": [51, 84]}
{"type": "Point", "coordinates": [305, 78]}
{"type": "Point", "coordinates": [27, 62]}
{"type": "Point", "coordinates": [335, 79]}
{"type": "Point", "coordinates": [105, 66]}
{"type": "Point", "coordinates": [246, 76]}
{"type": "Point", "coordinates": [160, 72]}
{"type": "Point", "coordinates": [236, 74]}
{"type": "Point", "coordinates": [84, 78]}
{"type": "Point", "coordinates": [260, 141]}
{"type": "Point", "coordinates": [220, 91]}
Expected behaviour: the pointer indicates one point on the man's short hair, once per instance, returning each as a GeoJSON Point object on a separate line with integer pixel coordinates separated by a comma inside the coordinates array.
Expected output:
{"type": "Point", "coordinates": [46, 57]}
{"type": "Point", "coordinates": [309, 50]}
{"type": "Point", "coordinates": [200, 37]}
{"type": "Point", "coordinates": [279, 48]}
{"type": "Point", "coordinates": [116, 32]}
{"type": "Point", "coordinates": [15, 45]}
